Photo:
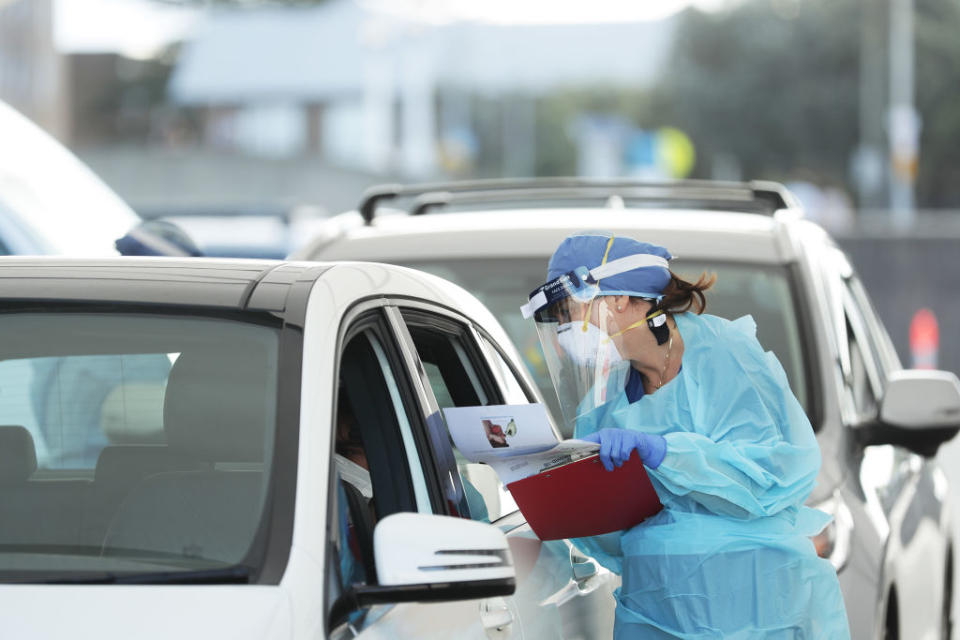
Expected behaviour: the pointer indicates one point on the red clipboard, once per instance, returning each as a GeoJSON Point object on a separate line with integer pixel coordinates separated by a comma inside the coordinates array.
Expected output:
{"type": "Point", "coordinates": [584, 499]}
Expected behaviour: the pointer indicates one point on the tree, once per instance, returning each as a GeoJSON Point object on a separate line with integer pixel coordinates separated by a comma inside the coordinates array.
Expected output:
{"type": "Point", "coordinates": [776, 84]}
{"type": "Point", "coordinates": [777, 89]}
{"type": "Point", "coordinates": [937, 27]}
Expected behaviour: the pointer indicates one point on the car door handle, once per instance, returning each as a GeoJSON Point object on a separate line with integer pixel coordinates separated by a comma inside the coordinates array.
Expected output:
{"type": "Point", "coordinates": [495, 615]}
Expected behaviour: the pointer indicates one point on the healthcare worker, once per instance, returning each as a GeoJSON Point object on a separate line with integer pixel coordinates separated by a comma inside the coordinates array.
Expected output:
{"type": "Point", "coordinates": [728, 448]}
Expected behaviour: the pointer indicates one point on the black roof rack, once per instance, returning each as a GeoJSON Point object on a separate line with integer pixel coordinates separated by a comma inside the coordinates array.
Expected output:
{"type": "Point", "coordinates": [750, 197]}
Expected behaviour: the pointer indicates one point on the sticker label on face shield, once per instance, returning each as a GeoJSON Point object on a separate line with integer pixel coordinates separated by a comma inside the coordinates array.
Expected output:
{"type": "Point", "coordinates": [576, 285]}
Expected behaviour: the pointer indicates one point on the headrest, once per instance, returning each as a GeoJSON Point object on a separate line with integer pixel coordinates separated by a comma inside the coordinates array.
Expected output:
{"type": "Point", "coordinates": [218, 404]}
{"type": "Point", "coordinates": [18, 458]}
{"type": "Point", "coordinates": [132, 413]}
{"type": "Point", "coordinates": [126, 464]}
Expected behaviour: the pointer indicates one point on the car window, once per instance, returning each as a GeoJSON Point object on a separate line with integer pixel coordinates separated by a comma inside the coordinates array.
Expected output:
{"type": "Point", "coordinates": [74, 406]}
{"type": "Point", "coordinates": [885, 354]}
{"type": "Point", "coordinates": [513, 389]}
{"type": "Point", "coordinates": [763, 291]}
{"type": "Point", "coordinates": [376, 468]}
{"type": "Point", "coordinates": [133, 443]}
{"type": "Point", "coordinates": [863, 381]}
{"type": "Point", "coordinates": [459, 376]}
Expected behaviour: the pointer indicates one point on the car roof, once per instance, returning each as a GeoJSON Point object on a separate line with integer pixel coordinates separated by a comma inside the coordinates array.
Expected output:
{"type": "Point", "coordinates": [691, 234]}
{"type": "Point", "coordinates": [228, 284]}
{"type": "Point", "coordinates": [278, 287]}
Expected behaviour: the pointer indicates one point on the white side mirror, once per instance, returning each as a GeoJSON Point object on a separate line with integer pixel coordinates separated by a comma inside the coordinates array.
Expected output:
{"type": "Point", "coordinates": [421, 549]}
{"type": "Point", "coordinates": [921, 399]}
{"type": "Point", "coordinates": [426, 558]}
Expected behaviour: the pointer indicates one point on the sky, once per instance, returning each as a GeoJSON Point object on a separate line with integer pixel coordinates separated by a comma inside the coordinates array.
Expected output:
{"type": "Point", "coordinates": [138, 28]}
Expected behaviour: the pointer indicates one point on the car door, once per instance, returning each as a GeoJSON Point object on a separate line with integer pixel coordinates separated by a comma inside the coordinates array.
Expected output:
{"type": "Point", "coordinates": [560, 592]}
{"type": "Point", "coordinates": [381, 465]}
{"type": "Point", "coordinates": [916, 544]}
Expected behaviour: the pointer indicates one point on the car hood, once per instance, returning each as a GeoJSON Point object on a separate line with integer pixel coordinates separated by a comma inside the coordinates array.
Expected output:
{"type": "Point", "coordinates": [109, 612]}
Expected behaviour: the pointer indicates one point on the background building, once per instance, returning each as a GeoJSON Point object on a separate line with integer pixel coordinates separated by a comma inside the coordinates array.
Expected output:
{"type": "Point", "coordinates": [31, 70]}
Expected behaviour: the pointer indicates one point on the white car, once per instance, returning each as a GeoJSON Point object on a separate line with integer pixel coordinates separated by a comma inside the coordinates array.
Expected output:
{"type": "Point", "coordinates": [50, 202]}
{"type": "Point", "coordinates": [878, 426]}
{"type": "Point", "coordinates": [248, 449]}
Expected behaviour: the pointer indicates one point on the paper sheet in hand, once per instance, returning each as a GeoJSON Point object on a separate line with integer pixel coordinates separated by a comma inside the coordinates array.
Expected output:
{"type": "Point", "coordinates": [517, 440]}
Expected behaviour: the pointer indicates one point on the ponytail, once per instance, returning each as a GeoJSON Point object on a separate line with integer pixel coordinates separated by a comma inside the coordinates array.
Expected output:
{"type": "Point", "coordinates": [680, 295]}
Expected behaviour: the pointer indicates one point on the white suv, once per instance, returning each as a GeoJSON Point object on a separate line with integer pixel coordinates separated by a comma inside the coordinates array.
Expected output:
{"type": "Point", "coordinates": [250, 449]}
{"type": "Point", "coordinates": [878, 426]}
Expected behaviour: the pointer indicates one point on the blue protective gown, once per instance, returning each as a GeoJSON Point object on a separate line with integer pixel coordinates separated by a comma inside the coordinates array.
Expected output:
{"type": "Point", "coordinates": [730, 555]}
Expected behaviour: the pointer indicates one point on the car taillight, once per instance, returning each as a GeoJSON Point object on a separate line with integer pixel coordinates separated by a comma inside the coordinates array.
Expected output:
{"type": "Point", "coordinates": [833, 543]}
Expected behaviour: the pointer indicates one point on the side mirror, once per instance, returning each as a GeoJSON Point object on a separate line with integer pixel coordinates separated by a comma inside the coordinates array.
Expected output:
{"type": "Point", "coordinates": [920, 410]}
{"type": "Point", "coordinates": [157, 238]}
{"type": "Point", "coordinates": [429, 558]}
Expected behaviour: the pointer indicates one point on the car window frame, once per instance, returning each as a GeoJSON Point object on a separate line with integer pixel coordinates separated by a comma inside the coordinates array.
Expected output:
{"type": "Point", "coordinates": [853, 316]}
{"type": "Point", "coordinates": [443, 319]}
{"type": "Point", "coordinates": [803, 298]}
{"type": "Point", "coordinates": [374, 317]}
{"type": "Point", "coordinates": [885, 354]}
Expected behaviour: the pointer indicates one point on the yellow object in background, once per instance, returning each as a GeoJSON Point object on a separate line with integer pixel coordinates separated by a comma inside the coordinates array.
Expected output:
{"type": "Point", "coordinates": [675, 152]}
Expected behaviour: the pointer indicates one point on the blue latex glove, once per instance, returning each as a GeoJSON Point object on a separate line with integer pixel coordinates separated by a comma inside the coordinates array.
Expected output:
{"type": "Point", "coordinates": [616, 445]}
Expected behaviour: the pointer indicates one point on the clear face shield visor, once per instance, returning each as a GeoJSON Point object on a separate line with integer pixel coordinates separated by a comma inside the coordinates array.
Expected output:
{"type": "Point", "coordinates": [579, 334]}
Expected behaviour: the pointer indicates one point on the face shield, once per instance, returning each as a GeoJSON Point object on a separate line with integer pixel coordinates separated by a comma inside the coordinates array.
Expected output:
{"type": "Point", "coordinates": [580, 336]}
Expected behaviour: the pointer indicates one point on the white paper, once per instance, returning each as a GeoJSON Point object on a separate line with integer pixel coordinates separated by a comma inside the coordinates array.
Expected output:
{"type": "Point", "coordinates": [516, 440]}
{"type": "Point", "coordinates": [513, 468]}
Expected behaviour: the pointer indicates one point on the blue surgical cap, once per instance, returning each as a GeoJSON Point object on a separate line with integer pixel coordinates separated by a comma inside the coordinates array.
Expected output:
{"type": "Point", "coordinates": [587, 250]}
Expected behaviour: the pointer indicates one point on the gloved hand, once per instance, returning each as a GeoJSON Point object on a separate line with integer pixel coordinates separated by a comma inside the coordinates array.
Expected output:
{"type": "Point", "coordinates": [616, 445]}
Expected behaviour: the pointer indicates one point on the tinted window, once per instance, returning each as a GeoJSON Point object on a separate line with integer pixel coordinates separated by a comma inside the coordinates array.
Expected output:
{"type": "Point", "coordinates": [864, 399]}
{"type": "Point", "coordinates": [459, 377]}
{"type": "Point", "coordinates": [759, 290]}
{"type": "Point", "coordinates": [864, 380]}
{"type": "Point", "coordinates": [513, 389]}
{"type": "Point", "coordinates": [882, 347]}
{"type": "Point", "coordinates": [376, 466]}
{"type": "Point", "coordinates": [133, 443]}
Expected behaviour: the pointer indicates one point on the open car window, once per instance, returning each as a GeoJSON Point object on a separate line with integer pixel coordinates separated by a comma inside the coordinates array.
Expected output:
{"type": "Point", "coordinates": [459, 376]}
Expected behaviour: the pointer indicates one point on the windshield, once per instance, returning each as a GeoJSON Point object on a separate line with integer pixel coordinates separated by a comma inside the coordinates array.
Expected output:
{"type": "Point", "coordinates": [132, 443]}
{"type": "Point", "coordinates": [762, 291]}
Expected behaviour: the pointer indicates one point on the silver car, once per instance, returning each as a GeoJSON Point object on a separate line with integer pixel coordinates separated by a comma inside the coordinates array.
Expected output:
{"type": "Point", "coordinates": [890, 538]}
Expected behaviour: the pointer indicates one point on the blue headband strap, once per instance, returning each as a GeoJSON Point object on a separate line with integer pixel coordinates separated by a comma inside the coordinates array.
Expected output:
{"type": "Point", "coordinates": [582, 284]}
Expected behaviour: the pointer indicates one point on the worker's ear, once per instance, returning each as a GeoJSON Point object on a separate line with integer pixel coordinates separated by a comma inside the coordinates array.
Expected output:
{"type": "Point", "coordinates": [621, 304]}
